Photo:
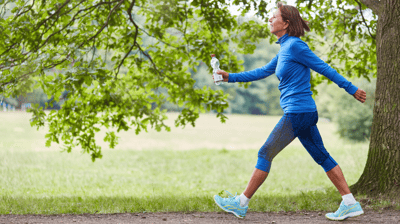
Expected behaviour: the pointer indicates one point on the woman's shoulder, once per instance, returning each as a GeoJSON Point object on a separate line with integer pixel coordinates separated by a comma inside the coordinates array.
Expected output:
{"type": "Point", "coordinates": [296, 43]}
{"type": "Point", "coordinates": [296, 40]}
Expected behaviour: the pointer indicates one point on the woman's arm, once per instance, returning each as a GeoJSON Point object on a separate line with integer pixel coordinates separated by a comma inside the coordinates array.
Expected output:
{"type": "Point", "coordinates": [302, 54]}
{"type": "Point", "coordinates": [256, 74]}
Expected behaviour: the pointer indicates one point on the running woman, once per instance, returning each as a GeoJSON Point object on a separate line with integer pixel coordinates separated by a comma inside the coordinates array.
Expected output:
{"type": "Point", "coordinates": [292, 67]}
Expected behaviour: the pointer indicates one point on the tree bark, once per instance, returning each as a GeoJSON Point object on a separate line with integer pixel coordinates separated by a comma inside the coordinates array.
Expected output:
{"type": "Point", "coordinates": [382, 171]}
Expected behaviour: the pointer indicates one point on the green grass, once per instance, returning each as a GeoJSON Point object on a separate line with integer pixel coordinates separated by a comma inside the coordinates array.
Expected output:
{"type": "Point", "coordinates": [135, 178]}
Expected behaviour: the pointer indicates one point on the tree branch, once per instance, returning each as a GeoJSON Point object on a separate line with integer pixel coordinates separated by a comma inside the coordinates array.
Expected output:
{"type": "Point", "coordinates": [373, 4]}
{"type": "Point", "coordinates": [184, 32]}
{"type": "Point", "coordinates": [58, 10]}
{"type": "Point", "coordinates": [362, 15]}
{"type": "Point", "coordinates": [310, 4]}
{"type": "Point", "coordinates": [16, 79]}
{"type": "Point", "coordinates": [126, 55]}
{"type": "Point", "coordinates": [136, 34]}
{"type": "Point", "coordinates": [76, 17]}
{"type": "Point", "coordinates": [105, 24]}
{"type": "Point", "coordinates": [51, 26]}
{"type": "Point", "coordinates": [16, 60]}
{"type": "Point", "coordinates": [95, 6]}
{"type": "Point", "coordinates": [132, 21]}
{"type": "Point", "coordinates": [98, 32]}
{"type": "Point", "coordinates": [136, 44]}
{"type": "Point", "coordinates": [51, 35]}
{"type": "Point", "coordinates": [11, 47]}
{"type": "Point", "coordinates": [20, 13]}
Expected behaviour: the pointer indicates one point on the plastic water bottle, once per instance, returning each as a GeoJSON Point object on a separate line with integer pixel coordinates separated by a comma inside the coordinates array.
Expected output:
{"type": "Point", "coordinates": [218, 79]}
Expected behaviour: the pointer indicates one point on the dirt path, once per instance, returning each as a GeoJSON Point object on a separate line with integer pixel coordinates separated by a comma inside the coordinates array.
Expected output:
{"type": "Point", "coordinates": [370, 216]}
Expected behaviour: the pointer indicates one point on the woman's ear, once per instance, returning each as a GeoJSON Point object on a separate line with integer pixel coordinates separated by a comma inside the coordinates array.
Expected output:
{"type": "Point", "coordinates": [287, 24]}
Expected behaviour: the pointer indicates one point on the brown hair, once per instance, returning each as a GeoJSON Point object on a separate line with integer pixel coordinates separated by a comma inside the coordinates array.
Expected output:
{"type": "Point", "coordinates": [296, 24]}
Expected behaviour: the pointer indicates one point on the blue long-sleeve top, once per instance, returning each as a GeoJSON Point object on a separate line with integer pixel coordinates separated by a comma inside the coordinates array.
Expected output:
{"type": "Point", "coordinates": [292, 67]}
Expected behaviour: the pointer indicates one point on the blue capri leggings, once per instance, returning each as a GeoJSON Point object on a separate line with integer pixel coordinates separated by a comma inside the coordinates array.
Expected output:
{"type": "Point", "coordinates": [290, 126]}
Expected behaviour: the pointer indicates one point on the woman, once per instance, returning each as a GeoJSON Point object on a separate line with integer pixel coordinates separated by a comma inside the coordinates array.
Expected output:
{"type": "Point", "coordinates": [292, 67]}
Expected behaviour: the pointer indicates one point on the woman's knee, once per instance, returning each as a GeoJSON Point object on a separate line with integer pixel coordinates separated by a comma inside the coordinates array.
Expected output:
{"type": "Point", "coordinates": [328, 164]}
{"type": "Point", "coordinates": [263, 164]}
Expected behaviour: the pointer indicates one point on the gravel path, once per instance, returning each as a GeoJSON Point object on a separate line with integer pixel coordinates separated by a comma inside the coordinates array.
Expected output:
{"type": "Point", "coordinates": [370, 216]}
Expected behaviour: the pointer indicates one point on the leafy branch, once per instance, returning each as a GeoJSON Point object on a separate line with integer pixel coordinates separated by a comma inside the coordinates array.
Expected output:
{"type": "Point", "coordinates": [51, 16]}
{"type": "Point", "coordinates": [134, 39]}
{"type": "Point", "coordinates": [23, 12]}
{"type": "Point", "coordinates": [362, 15]}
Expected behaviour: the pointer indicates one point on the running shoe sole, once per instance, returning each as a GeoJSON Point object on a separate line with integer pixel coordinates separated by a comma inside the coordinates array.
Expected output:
{"type": "Point", "coordinates": [352, 214]}
{"type": "Point", "coordinates": [227, 210]}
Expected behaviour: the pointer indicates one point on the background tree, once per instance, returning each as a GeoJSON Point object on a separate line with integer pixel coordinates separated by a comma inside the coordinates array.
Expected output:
{"type": "Point", "coordinates": [10, 101]}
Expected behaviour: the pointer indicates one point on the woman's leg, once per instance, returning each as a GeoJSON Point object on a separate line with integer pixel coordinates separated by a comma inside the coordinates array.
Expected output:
{"type": "Point", "coordinates": [349, 207]}
{"type": "Point", "coordinates": [280, 137]}
{"type": "Point", "coordinates": [337, 178]}
{"type": "Point", "coordinates": [257, 179]}
{"type": "Point", "coordinates": [311, 139]}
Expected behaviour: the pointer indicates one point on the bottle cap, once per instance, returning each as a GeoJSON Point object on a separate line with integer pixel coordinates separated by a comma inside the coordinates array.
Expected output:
{"type": "Point", "coordinates": [212, 55]}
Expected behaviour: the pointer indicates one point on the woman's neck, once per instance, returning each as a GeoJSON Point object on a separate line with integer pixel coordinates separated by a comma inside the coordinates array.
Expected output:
{"type": "Point", "coordinates": [280, 33]}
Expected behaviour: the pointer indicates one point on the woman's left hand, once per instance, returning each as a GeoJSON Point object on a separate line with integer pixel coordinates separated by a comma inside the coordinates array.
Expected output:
{"type": "Point", "coordinates": [360, 95]}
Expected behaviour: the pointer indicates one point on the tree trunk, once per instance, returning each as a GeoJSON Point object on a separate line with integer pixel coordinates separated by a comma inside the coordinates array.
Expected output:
{"type": "Point", "coordinates": [382, 171]}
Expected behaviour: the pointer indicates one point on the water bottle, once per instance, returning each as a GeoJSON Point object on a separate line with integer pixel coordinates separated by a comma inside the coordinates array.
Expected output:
{"type": "Point", "coordinates": [218, 79]}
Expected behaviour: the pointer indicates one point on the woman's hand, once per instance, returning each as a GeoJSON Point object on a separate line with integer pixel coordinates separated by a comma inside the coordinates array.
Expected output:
{"type": "Point", "coordinates": [225, 75]}
{"type": "Point", "coordinates": [360, 95]}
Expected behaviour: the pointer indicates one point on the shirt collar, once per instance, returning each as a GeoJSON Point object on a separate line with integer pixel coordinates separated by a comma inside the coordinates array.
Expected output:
{"type": "Point", "coordinates": [282, 39]}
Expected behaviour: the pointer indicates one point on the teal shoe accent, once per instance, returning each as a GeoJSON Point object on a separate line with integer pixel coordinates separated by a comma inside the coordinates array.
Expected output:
{"type": "Point", "coordinates": [345, 212]}
{"type": "Point", "coordinates": [231, 205]}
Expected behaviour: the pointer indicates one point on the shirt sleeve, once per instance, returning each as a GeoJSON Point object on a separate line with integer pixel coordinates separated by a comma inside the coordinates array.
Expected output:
{"type": "Point", "coordinates": [302, 54]}
{"type": "Point", "coordinates": [256, 74]}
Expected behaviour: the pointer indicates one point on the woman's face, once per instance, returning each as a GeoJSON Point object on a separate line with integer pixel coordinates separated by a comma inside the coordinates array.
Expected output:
{"type": "Point", "coordinates": [277, 25]}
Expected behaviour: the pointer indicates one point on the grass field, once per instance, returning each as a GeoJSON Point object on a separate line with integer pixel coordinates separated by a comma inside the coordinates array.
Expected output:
{"type": "Point", "coordinates": [166, 171]}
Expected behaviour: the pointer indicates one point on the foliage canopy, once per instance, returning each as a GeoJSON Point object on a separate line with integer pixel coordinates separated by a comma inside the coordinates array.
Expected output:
{"type": "Point", "coordinates": [63, 46]}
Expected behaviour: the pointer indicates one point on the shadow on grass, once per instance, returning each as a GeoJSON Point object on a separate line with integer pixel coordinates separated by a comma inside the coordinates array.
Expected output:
{"type": "Point", "coordinates": [322, 200]}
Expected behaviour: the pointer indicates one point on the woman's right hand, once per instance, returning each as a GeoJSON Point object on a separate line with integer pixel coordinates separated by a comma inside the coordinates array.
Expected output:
{"type": "Point", "coordinates": [225, 75]}
{"type": "Point", "coordinates": [360, 95]}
